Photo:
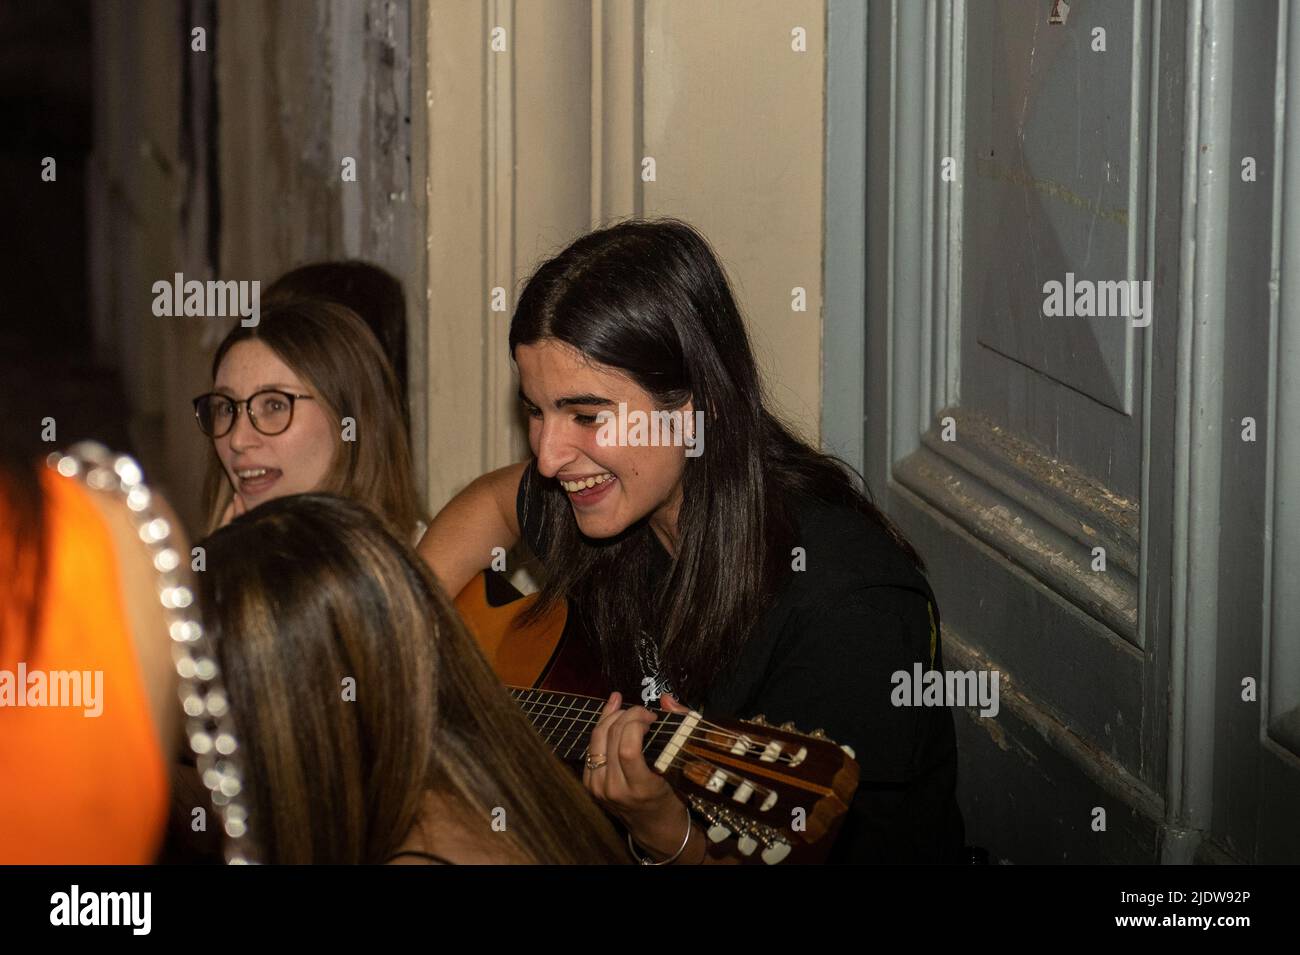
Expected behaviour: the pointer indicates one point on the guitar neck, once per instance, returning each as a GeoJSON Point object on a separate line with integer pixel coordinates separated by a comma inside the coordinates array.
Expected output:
{"type": "Point", "coordinates": [743, 778]}
{"type": "Point", "coordinates": [771, 788]}
{"type": "Point", "coordinates": [565, 722]}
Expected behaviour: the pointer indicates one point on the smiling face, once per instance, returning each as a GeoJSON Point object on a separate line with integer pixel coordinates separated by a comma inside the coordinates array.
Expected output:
{"type": "Point", "coordinates": [563, 394]}
{"type": "Point", "coordinates": [262, 467]}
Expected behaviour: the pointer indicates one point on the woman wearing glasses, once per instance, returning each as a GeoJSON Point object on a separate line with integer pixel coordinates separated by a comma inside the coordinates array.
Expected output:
{"type": "Point", "coordinates": [306, 401]}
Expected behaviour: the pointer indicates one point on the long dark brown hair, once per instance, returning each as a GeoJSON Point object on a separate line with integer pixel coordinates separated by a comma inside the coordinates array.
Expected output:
{"type": "Point", "coordinates": [650, 299]}
{"type": "Point", "coordinates": [339, 358]}
{"type": "Point", "coordinates": [307, 597]}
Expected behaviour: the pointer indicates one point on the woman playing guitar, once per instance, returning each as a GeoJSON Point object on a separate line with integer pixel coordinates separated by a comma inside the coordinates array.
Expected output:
{"type": "Point", "coordinates": [713, 557]}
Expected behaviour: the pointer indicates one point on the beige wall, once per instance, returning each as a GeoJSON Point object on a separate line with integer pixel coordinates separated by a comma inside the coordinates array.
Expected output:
{"type": "Point", "coordinates": [512, 155]}
{"type": "Point", "coordinates": [733, 117]}
{"type": "Point", "coordinates": [532, 146]}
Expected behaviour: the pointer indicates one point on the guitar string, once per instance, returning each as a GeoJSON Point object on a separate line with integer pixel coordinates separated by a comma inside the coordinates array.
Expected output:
{"type": "Point", "coordinates": [551, 710]}
{"type": "Point", "coordinates": [683, 761]}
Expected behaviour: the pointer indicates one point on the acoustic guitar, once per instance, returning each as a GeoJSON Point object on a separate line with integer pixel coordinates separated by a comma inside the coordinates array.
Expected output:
{"type": "Point", "coordinates": [770, 786]}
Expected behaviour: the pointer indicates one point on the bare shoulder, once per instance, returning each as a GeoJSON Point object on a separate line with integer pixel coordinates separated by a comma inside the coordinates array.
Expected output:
{"type": "Point", "coordinates": [504, 483]}
{"type": "Point", "coordinates": [460, 541]}
{"type": "Point", "coordinates": [447, 831]}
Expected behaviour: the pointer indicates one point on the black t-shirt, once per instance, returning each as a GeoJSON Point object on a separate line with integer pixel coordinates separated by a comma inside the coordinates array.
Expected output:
{"type": "Point", "coordinates": [823, 657]}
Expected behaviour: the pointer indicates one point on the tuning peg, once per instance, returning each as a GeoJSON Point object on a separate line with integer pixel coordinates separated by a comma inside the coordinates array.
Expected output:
{"type": "Point", "coordinates": [747, 844]}
{"type": "Point", "coordinates": [788, 725]}
{"type": "Point", "coordinates": [775, 852]}
{"type": "Point", "coordinates": [759, 720]}
{"type": "Point", "coordinates": [716, 831]}
{"type": "Point", "coordinates": [849, 749]}
{"type": "Point", "coordinates": [818, 733]}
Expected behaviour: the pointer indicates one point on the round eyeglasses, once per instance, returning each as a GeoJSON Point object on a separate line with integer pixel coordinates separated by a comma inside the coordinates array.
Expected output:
{"type": "Point", "coordinates": [271, 412]}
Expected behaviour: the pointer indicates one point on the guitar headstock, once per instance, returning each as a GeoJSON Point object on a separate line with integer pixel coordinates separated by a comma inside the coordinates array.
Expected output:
{"type": "Point", "coordinates": [776, 790]}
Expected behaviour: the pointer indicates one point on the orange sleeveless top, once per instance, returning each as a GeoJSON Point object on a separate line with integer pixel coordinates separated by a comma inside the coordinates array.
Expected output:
{"type": "Point", "coordinates": [76, 788]}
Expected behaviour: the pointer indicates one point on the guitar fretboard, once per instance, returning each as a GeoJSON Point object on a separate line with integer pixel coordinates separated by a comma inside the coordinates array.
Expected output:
{"type": "Point", "coordinates": [565, 722]}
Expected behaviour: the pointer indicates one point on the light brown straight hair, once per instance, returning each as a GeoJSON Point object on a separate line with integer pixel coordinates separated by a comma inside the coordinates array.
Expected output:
{"type": "Point", "coordinates": [341, 362]}
{"type": "Point", "coordinates": [355, 689]}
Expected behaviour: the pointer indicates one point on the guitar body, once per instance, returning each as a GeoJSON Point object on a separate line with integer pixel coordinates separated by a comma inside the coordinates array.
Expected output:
{"type": "Point", "coordinates": [547, 655]}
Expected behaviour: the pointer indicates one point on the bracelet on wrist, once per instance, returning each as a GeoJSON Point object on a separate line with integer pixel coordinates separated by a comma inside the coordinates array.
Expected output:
{"type": "Point", "coordinates": [646, 860]}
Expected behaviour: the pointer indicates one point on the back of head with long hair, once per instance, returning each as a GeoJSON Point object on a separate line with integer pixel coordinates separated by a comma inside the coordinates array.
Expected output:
{"type": "Point", "coordinates": [374, 293]}
{"type": "Point", "coordinates": [307, 592]}
{"type": "Point", "coordinates": [339, 359]}
{"type": "Point", "coordinates": [650, 299]}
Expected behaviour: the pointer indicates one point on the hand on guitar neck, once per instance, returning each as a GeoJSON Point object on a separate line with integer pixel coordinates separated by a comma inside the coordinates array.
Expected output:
{"type": "Point", "coordinates": [769, 787]}
{"type": "Point", "coordinates": [626, 787]}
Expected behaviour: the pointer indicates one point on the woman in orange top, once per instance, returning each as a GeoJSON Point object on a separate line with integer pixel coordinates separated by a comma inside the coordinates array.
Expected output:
{"type": "Point", "coordinates": [87, 682]}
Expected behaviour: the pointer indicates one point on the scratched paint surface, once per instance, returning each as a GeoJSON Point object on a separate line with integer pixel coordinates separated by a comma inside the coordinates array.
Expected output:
{"type": "Point", "coordinates": [1051, 151]}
